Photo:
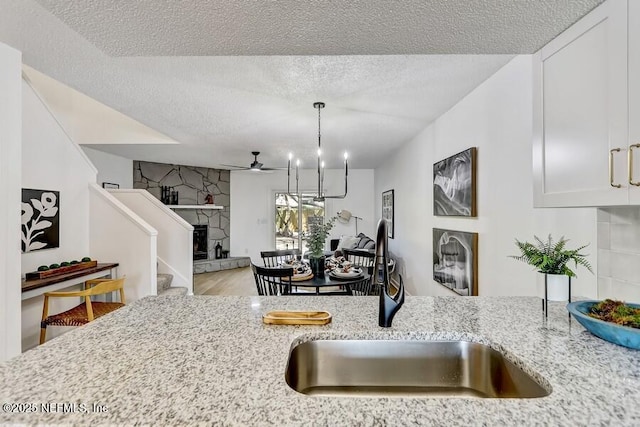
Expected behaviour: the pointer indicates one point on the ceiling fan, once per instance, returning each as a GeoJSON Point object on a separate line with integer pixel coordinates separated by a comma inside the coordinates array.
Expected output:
{"type": "Point", "coordinates": [255, 165]}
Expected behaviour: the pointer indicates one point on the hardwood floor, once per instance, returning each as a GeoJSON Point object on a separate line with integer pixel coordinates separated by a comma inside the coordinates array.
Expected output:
{"type": "Point", "coordinates": [237, 281]}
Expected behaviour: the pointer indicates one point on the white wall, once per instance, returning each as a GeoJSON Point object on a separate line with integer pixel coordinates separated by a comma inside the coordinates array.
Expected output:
{"type": "Point", "coordinates": [52, 161]}
{"type": "Point", "coordinates": [253, 206]}
{"type": "Point", "coordinates": [175, 235]}
{"type": "Point", "coordinates": [496, 118]}
{"type": "Point", "coordinates": [10, 194]}
{"type": "Point", "coordinates": [111, 168]}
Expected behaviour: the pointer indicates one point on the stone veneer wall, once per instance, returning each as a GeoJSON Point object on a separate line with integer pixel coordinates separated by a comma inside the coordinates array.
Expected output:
{"type": "Point", "coordinates": [193, 184]}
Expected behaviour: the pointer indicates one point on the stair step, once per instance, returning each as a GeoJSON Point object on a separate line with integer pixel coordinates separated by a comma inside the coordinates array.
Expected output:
{"type": "Point", "coordinates": [164, 281]}
{"type": "Point", "coordinates": [177, 290]}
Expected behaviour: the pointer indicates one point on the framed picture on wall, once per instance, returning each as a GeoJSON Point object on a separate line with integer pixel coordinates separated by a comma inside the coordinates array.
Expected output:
{"type": "Point", "coordinates": [387, 211]}
{"type": "Point", "coordinates": [110, 186]}
{"type": "Point", "coordinates": [40, 219]}
{"type": "Point", "coordinates": [455, 260]}
{"type": "Point", "coordinates": [454, 185]}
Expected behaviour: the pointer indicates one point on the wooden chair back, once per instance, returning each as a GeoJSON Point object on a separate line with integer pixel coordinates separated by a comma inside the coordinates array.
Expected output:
{"type": "Point", "coordinates": [272, 281]}
{"type": "Point", "coordinates": [276, 258]}
{"type": "Point", "coordinates": [99, 287]}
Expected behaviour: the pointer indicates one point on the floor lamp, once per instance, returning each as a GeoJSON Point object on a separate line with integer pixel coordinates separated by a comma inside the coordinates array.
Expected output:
{"type": "Point", "coordinates": [345, 216]}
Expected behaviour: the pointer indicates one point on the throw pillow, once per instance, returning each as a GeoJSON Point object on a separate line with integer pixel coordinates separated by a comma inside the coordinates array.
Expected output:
{"type": "Point", "coordinates": [348, 242]}
{"type": "Point", "coordinates": [366, 243]}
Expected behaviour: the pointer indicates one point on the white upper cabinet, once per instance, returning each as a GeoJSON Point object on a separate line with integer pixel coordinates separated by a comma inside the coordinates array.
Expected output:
{"type": "Point", "coordinates": [581, 107]}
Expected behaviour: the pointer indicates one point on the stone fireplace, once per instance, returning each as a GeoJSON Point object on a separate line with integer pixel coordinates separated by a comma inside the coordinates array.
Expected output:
{"type": "Point", "coordinates": [196, 186]}
{"type": "Point", "coordinates": [193, 184]}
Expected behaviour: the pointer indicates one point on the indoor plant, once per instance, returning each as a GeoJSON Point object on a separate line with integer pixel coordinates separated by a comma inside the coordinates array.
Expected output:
{"type": "Point", "coordinates": [552, 258]}
{"type": "Point", "coordinates": [316, 238]}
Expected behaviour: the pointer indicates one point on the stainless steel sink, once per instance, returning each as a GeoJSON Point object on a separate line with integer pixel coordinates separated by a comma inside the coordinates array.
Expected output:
{"type": "Point", "coordinates": [406, 368]}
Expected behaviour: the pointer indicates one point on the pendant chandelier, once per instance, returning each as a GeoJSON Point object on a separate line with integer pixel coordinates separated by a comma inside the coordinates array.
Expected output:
{"type": "Point", "coordinates": [319, 196]}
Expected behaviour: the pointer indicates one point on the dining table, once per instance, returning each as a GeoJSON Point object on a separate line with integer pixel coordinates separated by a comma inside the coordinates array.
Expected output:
{"type": "Point", "coordinates": [342, 285]}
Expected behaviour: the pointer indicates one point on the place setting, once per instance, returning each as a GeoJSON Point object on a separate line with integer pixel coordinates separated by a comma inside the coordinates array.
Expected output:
{"type": "Point", "coordinates": [301, 270]}
{"type": "Point", "coordinates": [342, 269]}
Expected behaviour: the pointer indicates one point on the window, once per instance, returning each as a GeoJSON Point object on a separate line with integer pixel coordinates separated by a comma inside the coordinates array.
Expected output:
{"type": "Point", "coordinates": [292, 217]}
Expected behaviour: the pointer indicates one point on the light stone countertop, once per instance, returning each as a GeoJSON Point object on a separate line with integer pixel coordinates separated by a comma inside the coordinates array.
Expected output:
{"type": "Point", "coordinates": [181, 360]}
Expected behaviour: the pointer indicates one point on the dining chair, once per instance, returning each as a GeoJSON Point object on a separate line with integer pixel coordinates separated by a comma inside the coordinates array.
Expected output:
{"type": "Point", "coordinates": [361, 287]}
{"type": "Point", "coordinates": [276, 258]}
{"type": "Point", "coordinates": [375, 289]}
{"type": "Point", "coordinates": [360, 258]}
{"type": "Point", "coordinates": [272, 281]}
{"type": "Point", "coordinates": [87, 310]}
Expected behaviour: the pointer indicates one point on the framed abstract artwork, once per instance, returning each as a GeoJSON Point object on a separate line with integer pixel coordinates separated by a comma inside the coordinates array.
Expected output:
{"type": "Point", "coordinates": [40, 219]}
{"type": "Point", "coordinates": [387, 211]}
{"type": "Point", "coordinates": [454, 185]}
{"type": "Point", "coordinates": [455, 260]}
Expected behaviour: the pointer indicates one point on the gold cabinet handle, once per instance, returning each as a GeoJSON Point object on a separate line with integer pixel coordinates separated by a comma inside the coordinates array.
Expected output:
{"type": "Point", "coordinates": [611, 167]}
{"type": "Point", "coordinates": [630, 160]}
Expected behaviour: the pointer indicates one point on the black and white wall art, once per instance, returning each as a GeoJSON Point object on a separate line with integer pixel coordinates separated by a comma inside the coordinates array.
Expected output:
{"type": "Point", "coordinates": [454, 185]}
{"type": "Point", "coordinates": [40, 219]}
{"type": "Point", "coordinates": [387, 211]}
{"type": "Point", "coordinates": [455, 260]}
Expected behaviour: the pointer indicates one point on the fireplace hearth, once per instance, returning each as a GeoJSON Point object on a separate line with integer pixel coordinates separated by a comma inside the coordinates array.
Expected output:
{"type": "Point", "coordinates": [200, 241]}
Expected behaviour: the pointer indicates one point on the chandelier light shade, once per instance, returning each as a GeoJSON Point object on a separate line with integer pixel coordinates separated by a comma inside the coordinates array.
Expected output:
{"type": "Point", "coordinates": [320, 191]}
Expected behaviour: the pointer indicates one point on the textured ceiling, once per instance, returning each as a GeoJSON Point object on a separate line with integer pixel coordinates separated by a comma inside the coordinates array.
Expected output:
{"type": "Point", "coordinates": [322, 27]}
{"type": "Point", "coordinates": [228, 107]}
{"type": "Point", "coordinates": [222, 107]}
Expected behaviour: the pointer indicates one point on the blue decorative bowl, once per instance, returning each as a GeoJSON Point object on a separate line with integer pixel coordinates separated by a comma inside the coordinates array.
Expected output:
{"type": "Point", "coordinates": [617, 334]}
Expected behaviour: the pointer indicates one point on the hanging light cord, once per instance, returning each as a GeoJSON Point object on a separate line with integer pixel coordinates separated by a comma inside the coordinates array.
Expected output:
{"type": "Point", "coordinates": [320, 177]}
{"type": "Point", "coordinates": [319, 108]}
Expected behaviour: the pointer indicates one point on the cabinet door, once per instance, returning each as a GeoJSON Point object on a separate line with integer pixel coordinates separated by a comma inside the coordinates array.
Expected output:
{"type": "Point", "coordinates": [580, 112]}
{"type": "Point", "coordinates": [634, 101]}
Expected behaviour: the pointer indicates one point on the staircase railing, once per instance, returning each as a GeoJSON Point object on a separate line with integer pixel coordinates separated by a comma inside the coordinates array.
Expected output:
{"type": "Point", "coordinates": [117, 234]}
{"type": "Point", "coordinates": [175, 235]}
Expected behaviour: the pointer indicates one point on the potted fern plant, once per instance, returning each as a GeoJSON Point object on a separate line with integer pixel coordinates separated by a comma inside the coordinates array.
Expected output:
{"type": "Point", "coordinates": [553, 259]}
{"type": "Point", "coordinates": [316, 238]}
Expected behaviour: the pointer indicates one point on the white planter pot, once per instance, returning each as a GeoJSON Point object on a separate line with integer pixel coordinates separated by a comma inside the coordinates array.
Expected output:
{"type": "Point", "coordinates": [557, 287]}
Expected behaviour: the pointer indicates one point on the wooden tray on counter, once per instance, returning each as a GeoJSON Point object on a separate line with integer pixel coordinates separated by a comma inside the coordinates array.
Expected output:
{"type": "Point", "coordinates": [297, 318]}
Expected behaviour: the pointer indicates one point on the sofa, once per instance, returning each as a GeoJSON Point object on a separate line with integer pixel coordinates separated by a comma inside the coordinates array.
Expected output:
{"type": "Point", "coordinates": [361, 241]}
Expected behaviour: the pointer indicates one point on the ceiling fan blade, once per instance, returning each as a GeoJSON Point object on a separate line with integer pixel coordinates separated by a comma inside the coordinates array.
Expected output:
{"type": "Point", "coordinates": [255, 166]}
{"type": "Point", "coordinates": [244, 168]}
{"type": "Point", "coordinates": [235, 166]}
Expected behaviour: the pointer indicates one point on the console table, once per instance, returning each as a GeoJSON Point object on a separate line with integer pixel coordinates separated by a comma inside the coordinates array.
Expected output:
{"type": "Point", "coordinates": [34, 288]}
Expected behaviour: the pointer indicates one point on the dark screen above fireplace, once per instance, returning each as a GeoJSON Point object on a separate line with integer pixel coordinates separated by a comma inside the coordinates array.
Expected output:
{"type": "Point", "coordinates": [200, 241]}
